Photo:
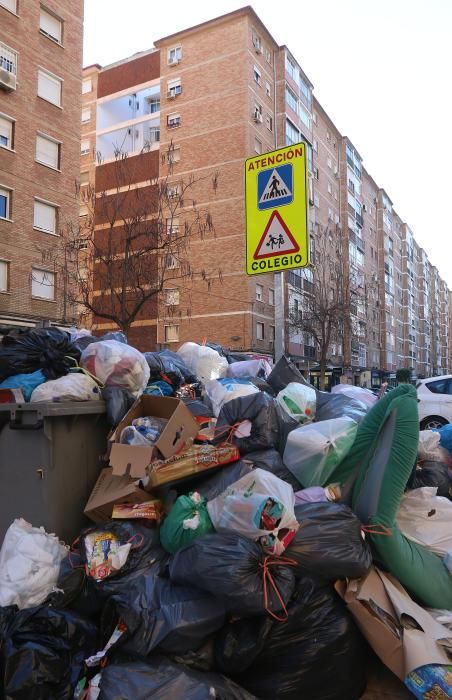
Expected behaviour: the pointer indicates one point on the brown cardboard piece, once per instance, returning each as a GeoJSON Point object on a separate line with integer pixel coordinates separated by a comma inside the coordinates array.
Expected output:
{"type": "Point", "coordinates": [400, 648]}
{"type": "Point", "coordinates": [178, 433]}
{"type": "Point", "coordinates": [110, 490]}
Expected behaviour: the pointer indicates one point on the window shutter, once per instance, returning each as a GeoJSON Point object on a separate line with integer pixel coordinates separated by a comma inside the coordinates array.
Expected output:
{"type": "Point", "coordinates": [49, 88]}
{"type": "Point", "coordinates": [86, 114]}
{"type": "Point", "coordinates": [6, 130]}
{"type": "Point", "coordinates": [44, 217]}
{"type": "Point", "coordinates": [50, 25]}
{"type": "Point", "coordinates": [47, 151]}
{"type": "Point", "coordinates": [43, 284]}
{"type": "Point", "coordinates": [10, 4]}
{"type": "Point", "coordinates": [3, 276]}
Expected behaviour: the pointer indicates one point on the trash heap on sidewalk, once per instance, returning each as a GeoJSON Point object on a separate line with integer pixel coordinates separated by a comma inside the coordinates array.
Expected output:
{"type": "Point", "coordinates": [243, 535]}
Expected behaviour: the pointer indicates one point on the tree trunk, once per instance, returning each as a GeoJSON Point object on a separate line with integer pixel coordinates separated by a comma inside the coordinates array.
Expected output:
{"type": "Point", "coordinates": [322, 370]}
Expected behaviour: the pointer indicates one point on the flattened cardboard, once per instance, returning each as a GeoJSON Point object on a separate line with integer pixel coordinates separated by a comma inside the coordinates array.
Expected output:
{"type": "Point", "coordinates": [111, 490]}
{"type": "Point", "coordinates": [180, 429]}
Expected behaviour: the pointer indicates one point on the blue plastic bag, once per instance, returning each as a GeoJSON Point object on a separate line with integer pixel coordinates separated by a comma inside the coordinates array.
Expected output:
{"type": "Point", "coordinates": [445, 436]}
{"type": "Point", "coordinates": [26, 382]}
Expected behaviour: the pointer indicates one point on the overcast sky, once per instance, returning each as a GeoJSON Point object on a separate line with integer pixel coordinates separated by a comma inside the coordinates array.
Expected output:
{"type": "Point", "coordinates": [381, 69]}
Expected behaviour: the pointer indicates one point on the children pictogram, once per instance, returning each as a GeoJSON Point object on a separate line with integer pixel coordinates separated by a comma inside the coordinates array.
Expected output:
{"type": "Point", "coordinates": [275, 187]}
{"type": "Point", "coordinates": [276, 239]}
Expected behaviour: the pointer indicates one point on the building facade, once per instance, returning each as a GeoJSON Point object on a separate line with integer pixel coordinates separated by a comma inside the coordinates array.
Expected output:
{"type": "Point", "coordinates": [216, 94]}
{"type": "Point", "coordinates": [40, 102]}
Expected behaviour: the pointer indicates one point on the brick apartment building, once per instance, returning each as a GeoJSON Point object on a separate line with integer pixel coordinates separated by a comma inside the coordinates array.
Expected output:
{"type": "Point", "coordinates": [40, 102]}
{"type": "Point", "coordinates": [219, 93]}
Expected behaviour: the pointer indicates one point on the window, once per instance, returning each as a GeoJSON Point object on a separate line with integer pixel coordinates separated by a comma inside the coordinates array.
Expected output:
{"type": "Point", "coordinates": [172, 263]}
{"type": "Point", "coordinates": [48, 151]}
{"type": "Point", "coordinates": [260, 331]}
{"type": "Point", "coordinates": [257, 146]}
{"type": "Point", "coordinates": [268, 56]}
{"type": "Point", "coordinates": [172, 155]}
{"type": "Point", "coordinates": [6, 132]}
{"type": "Point", "coordinates": [4, 276]}
{"type": "Point", "coordinates": [271, 297]}
{"type": "Point", "coordinates": [174, 55]}
{"type": "Point", "coordinates": [8, 59]}
{"type": "Point", "coordinates": [269, 122]}
{"type": "Point", "coordinates": [173, 120]}
{"type": "Point", "coordinates": [335, 195]}
{"type": "Point", "coordinates": [336, 219]}
{"type": "Point", "coordinates": [87, 85]}
{"type": "Point", "coordinates": [171, 334]}
{"type": "Point", "coordinates": [316, 201]}
{"type": "Point", "coordinates": [259, 292]}
{"type": "Point", "coordinates": [42, 284]}
{"type": "Point", "coordinates": [49, 87]}
{"type": "Point", "coordinates": [10, 5]}
{"type": "Point", "coordinates": [257, 75]}
{"type": "Point", "coordinates": [272, 333]}
{"type": "Point", "coordinates": [84, 148]}
{"type": "Point", "coordinates": [292, 134]}
{"type": "Point", "coordinates": [316, 173]}
{"type": "Point", "coordinates": [152, 105]}
{"type": "Point", "coordinates": [171, 297]}
{"type": "Point", "coordinates": [268, 89]}
{"type": "Point", "coordinates": [86, 114]}
{"type": "Point", "coordinates": [174, 88]}
{"type": "Point", "coordinates": [291, 68]}
{"type": "Point", "coordinates": [257, 41]}
{"type": "Point", "coordinates": [291, 99]}
{"type": "Point", "coordinates": [44, 216]}
{"type": "Point", "coordinates": [304, 116]}
{"type": "Point", "coordinates": [441, 386]}
{"type": "Point", "coordinates": [315, 145]}
{"type": "Point", "coordinates": [172, 226]}
{"type": "Point", "coordinates": [329, 163]}
{"type": "Point", "coordinates": [84, 178]}
{"type": "Point", "coordinates": [328, 136]}
{"type": "Point", "coordinates": [330, 214]}
{"type": "Point", "coordinates": [5, 203]}
{"type": "Point", "coordinates": [314, 117]}
{"type": "Point", "coordinates": [305, 92]}
{"type": "Point", "coordinates": [51, 26]}
{"type": "Point", "coordinates": [83, 210]}
{"type": "Point", "coordinates": [330, 189]}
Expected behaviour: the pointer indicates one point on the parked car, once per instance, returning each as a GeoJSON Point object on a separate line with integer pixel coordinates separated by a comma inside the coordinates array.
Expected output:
{"type": "Point", "coordinates": [435, 401]}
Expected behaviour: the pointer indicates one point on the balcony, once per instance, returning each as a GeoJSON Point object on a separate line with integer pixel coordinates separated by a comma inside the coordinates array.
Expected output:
{"type": "Point", "coordinates": [8, 68]}
{"type": "Point", "coordinates": [132, 139]}
{"type": "Point", "coordinates": [295, 280]}
{"type": "Point", "coordinates": [359, 219]}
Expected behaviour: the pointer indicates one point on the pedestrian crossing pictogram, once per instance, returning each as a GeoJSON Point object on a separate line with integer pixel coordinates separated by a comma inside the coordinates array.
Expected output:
{"type": "Point", "coordinates": [275, 187]}
{"type": "Point", "coordinates": [276, 239]}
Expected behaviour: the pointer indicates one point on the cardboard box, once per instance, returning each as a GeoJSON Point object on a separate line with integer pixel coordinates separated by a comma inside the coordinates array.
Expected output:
{"type": "Point", "coordinates": [180, 430]}
{"type": "Point", "coordinates": [109, 491]}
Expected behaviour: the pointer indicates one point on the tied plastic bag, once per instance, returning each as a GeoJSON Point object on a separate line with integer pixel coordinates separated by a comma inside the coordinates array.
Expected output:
{"type": "Point", "coordinates": [283, 373]}
{"type": "Point", "coordinates": [48, 349]}
{"type": "Point", "coordinates": [299, 401]}
{"type": "Point", "coordinates": [220, 391]}
{"type": "Point", "coordinates": [188, 519]}
{"type": "Point", "coordinates": [426, 519]}
{"type": "Point", "coordinates": [258, 506]}
{"type": "Point", "coordinates": [338, 406]}
{"type": "Point", "coordinates": [75, 386]}
{"type": "Point", "coordinates": [250, 368]}
{"type": "Point", "coordinates": [204, 362]}
{"type": "Point", "coordinates": [314, 451]}
{"type": "Point", "coordinates": [356, 392]}
{"type": "Point", "coordinates": [29, 564]}
{"type": "Point", "coordinates": [116, 364]}
{"type": "Point", "coordinates": [445, 436]}
{"type": "Point", "coordinates": [429, 447]}
{"type": "Point", "coordinates": [145, 430]}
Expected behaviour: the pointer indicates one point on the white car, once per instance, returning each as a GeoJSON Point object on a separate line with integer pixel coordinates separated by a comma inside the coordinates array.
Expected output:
{"type": "Point", "coordinates": [434, 397]}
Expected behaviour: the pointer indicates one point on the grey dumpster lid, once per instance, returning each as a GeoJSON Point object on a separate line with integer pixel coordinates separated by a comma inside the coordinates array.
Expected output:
{"type": "Point", "coordinates": [53, 409]}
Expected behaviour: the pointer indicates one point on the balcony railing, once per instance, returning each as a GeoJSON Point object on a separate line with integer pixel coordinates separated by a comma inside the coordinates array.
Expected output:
{"type": "Point", "coordinates": [8, 59]}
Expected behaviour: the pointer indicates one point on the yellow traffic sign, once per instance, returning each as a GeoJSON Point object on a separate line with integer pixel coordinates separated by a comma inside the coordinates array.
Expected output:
{"type": "Point", "coordinates": [276, 203]}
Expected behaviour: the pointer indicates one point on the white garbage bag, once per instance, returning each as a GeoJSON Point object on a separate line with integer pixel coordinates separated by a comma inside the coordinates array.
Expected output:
{"type": "Point", "coordinates": [29, 564]}
{"type": "Point", "coordinates": [220, 391]}
{"type": "Point", "coordinates": [250, 368]}
{"type": "Point", "coordinates": [298, 401]}
{"type": "Point", "coordinates": [429, 448]}
{"type": "Point", "coordinates": [356, 392]}
{"type": "Point", "coordinates": [313, 451]}
{"type": "Point", "coordinates": [426, 519]}
{"type": "Point", "coordinates": [203, 361]}
{"type": "Point", "coordinates": [75, 386]}
{"type": "Point", "coordinates": [259, 506]}
{"type": "Point", "coordinates": [116, 364]}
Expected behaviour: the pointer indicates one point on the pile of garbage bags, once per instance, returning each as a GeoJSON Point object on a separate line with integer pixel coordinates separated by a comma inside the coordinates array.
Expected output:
{"type": "Point", "coordinates": [250, 562]}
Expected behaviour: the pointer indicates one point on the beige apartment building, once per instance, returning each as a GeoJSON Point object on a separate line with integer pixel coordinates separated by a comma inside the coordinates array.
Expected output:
{"type": "Point", "coordinates": [216, 94]}
{"type": "Point", "coordinates": [40, 102]}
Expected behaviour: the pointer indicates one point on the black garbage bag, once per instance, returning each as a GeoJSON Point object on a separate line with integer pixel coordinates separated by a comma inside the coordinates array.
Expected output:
{"type": "Point", "coordinates": [216, 484]}
{"type": "Point", "coordinates": [329, 543]}
{"type": "Point", "coordinates": [48, 349]}
{"type": "Point", "coordinates": [75, 589]}
{"type": "Point", "coordinates": [258, 408]}
{"type": "Point", "coordinates": [42, 651]}
{"type": "Point", "coordinates": [231, 567]}
{"type": "Point", "coordinates": [286, 423]}
{"type": "Point", "coordinates": [338, 406]}
{"type": "Point", "coordinates": [119, 336]}
{"type": "Point", "coordinates": [239, 643]}
{"type": "Point", "coordinates": [218, 348]}
{"type": "Point", "coordinates": [188, 375]}
{"type": "Point", "coordinates": [316, 654]}
{"type": "Point", "coordinates": [163, 369]}
{"type": "Point", "coordinates": [434, 474]}
{"type": "Point", "coordinates": [85, 340]}
{"type": "Point", "coordinates": [161, 615]}
{"type": "Point", "coordinates": [161, 679]}
{"type": "Point", "coordinates": [117, 403]}
{"type": "Point", "coordinates": [284, 372]}
{"type": "Point", "coordinates": [271, 461]}
{"type": "Point", "coordinates": [201, 660]}
{"type": "Point", "coordinates": [262, 385]}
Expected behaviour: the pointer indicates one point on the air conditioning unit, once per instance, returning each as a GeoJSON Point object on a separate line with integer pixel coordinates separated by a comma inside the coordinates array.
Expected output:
{"type": "Point", "coordinates": [7, 80]}
{"type": "Point", "coordinates": [173, 61]}
{"type": "Point", "coordinates": [257, 47]}
{"type": "Point", "coordinates": [170, 95]}
{"type": "Point", "coordinates": [257, 116]}
{"type": "Point", "coordinates": [336, 173]}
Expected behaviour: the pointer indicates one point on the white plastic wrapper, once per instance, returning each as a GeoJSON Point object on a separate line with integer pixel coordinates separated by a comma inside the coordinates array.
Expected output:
{"type": "Point", "coordinates": [75, 386]}
{"type": "Point", "coordinates": [220, 391]}
{"type": "Point", "coordinates": [29, 564]}
{"type": "Point", "coordinates": [116, 364]}
{"type": "Point", "coordinates": [203, 361]}
{"type": "Point", "coordinates": [429, 448]}
{"type": "Point", "coordinates": [356, 392]}
{"type": "Point", "coordinates": [313, 451]}
{"type": "Point", "coordinates": [250, 368]}
{"type": "Point", "coordinates": [298, 401]}
{"type": "Point", "coordinates": [426, 519]}
{"type": "Point", "coordinates": [258, 506]}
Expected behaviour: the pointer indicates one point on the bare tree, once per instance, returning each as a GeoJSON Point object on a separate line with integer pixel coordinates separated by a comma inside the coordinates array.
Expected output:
{"type": "Point", "coordinates": [330, 299]}
{"type": "Point", "coordinates": [132, 242]}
